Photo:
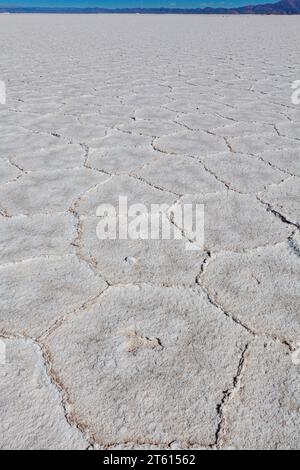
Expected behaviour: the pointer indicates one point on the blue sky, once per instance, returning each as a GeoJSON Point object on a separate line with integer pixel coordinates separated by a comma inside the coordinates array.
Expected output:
{"type": "Point", "coordinates": [131, 3]}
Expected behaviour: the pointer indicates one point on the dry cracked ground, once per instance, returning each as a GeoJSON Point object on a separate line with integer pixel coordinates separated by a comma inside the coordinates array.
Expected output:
{"type": "Point", "coordinates": [143, 344]}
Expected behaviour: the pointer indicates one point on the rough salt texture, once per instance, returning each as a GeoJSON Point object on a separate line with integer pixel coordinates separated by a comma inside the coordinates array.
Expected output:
{"type": "Point", "coordinates": [7, 171]}
{"type": "Point", "coordinates": [24, 237]}
{"type": "Point", "coordinates": [191, 143]}
{"type": "Point", "coordinates": [41, 290]}
{"type": "Point", "coordinates": [234, 229]}
{"type": "Point", "coordinates": [150, 344]}
{"type": "Point", "coordinates": [137, 372]}
{"type": "Point", "coordinates": [266, 394]}
{"type": "Point", "coordinates": [161, 262]}
{"type": "Point", "coordinates": [287, 159]}
{"type": "Point", "coordinates": [46, 152]}
{"type": "Point", "coordinates": [284, 199]}
{"type": "Point", "coordinates": [45, 191]}
{"type": "Point", "coordinates": [136, 191]}
{"type": "Point", "coordinates": [32, 416]}
{"type": "Point", "coordinates": [180, 175]}
{"type": "Point", "coordinates": [231, 170]}
{"type": "Point", "coordinates": [117, 160]}
{"type": "Point", "coordinates": [259, 289]}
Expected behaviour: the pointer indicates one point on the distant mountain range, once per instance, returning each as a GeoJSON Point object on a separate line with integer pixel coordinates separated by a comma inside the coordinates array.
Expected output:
{"type": "Point", "coordinates": [283, 7]}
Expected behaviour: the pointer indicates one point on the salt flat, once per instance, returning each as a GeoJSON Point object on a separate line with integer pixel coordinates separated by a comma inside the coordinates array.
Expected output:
{"type": "Point", "coordinates": [143, 344]}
